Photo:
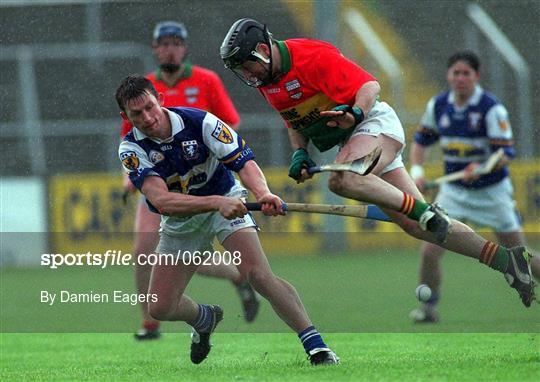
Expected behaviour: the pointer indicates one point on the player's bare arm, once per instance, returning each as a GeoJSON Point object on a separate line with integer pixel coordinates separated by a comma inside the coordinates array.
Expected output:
{"type": "Point", "coordinates": [253, 179]}
{"type": "Point", "coordinates": [365, 99]}
{"type": "Point", "coordinates": [297, 140]}
{"type": "Point", "coordinates": [367, 95]}
{"type": "Point", "coordinates": [176, 204]}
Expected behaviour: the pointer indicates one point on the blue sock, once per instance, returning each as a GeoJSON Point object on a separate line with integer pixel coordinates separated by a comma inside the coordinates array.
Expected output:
{"type": "Point", "coordinates": [203, 322]}
{"type": "Point", "coordinates": [311, 339]}
{"type": "Point", "coordinates": [434, 299]}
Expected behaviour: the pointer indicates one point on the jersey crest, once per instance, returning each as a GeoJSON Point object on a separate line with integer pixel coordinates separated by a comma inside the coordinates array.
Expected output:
{"type": "Point", "coordinates": [189, 149]}
{"type": "Point", "coordinates": [129, 160]}
{"type": "Point", "coordinates": [293, 88]}
{"type": "Point", "coordinates": [444, 122]}
{"type": "Point", "coordinates": [222, 133]}
{"type": "Point", "coordinates": [474, 120]}
{"type": "Point", "coordinates": [191, 94]}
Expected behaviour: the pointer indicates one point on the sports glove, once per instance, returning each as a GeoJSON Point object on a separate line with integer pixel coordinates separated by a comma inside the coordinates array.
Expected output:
{"type": "Point", "coordinates": [356, 112]}
{"type": "Point", "coordinates": [300, 160]}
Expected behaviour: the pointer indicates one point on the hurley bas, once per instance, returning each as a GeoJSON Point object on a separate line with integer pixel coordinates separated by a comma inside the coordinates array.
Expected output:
{"type": "Point", "coordinates": [91, 297]}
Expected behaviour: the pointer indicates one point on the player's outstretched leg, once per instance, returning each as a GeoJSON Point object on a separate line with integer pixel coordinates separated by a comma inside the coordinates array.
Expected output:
{"type": "Point", "coordinates": [462, 239]}
{"type": "Point", "coordinates": [207, 320]}
{"type": "Point", "coordinates": [518, 274]}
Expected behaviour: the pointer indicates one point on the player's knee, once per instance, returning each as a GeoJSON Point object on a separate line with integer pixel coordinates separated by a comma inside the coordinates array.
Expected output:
{"type": "Point", "coordinates": [260, 280]}
{"type": "Point", "coordinates": [336, 183]}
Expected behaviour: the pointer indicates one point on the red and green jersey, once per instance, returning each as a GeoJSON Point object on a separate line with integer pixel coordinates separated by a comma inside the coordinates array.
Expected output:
{"type": "Point", "coordinates": [316, 77]}
{"type": "Point", "coordinates": [198, 87]}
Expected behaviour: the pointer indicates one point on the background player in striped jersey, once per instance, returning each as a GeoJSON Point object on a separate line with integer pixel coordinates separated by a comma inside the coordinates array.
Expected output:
{"type": "Point", "coordinates": [182, 84]}
{"type": "Point", "coordinates": [182, 161]}
{"type": "Point", "coordinates": [470, 124]}
{"type": "Point", "coordinates": [329, 100]}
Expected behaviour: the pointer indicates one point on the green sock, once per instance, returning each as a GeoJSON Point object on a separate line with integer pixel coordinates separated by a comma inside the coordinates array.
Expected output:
{"type": "Point", "coordinates": [495, 256]}
{"type": "Point", "coordinates": [418, 209]}
{"type": "Point", "coordinates": [500, 260]}
{"type": "Point", "coordinates": [413, 208]}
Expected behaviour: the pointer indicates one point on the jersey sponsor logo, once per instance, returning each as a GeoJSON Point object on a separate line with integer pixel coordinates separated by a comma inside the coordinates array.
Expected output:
{"type": "Point", "coordinates": [155, 156]}
{"type": "Point", "coordinates": [166, 147]}
{"type": "Point", "coordinates": [130, 160]}
{"type": "Point", "coordinates": [221, 133]}
{"type": "Point", "coordinates": [189, 149]}
{"type": "Point", "coordinates": [290, 114]}
{"type": "Point", "coordinates": [503, 125]}
{"type": "Point", "coordinates": [474, 120]}
{"type": "Point", "coordinates": [300, 122]}
{"type": "Point", "coordinates": [458, 149]}
{"type": "Point", "coordinates": [182, 184]}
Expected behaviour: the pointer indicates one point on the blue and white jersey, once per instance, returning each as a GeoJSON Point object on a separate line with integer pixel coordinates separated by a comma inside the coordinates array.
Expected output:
{"type": "Point", "coordinates": [470, 133]}
{"type": "Point", "coordinates": [196, 159]}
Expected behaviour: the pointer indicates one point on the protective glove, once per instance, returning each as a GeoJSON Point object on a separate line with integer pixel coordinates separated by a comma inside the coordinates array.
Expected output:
{"type": "Point", "coordinates": [356, 112]}
{"type": "Point", "coordinates": [300, 160]}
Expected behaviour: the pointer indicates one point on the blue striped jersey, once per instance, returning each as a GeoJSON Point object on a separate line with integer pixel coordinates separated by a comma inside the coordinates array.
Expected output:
{"type": "Point", "coordinates": [196, 159]}
{"type": "Point", "coordinates": [467, 133]}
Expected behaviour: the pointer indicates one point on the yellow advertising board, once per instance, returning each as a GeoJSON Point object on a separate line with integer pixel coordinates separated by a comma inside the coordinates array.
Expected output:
{"type": "Point", "coordinates": [86, 213]}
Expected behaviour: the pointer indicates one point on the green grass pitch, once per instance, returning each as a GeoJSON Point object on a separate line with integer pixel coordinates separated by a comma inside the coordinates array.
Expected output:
{"type": "Point", "coordinates": [359, 302]}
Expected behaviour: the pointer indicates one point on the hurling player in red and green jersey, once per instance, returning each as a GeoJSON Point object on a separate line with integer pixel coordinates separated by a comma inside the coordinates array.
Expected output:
{"type": "Point", "coordinates": [181, 84]}
{"type": "Point", "coordinates": [329, 100]}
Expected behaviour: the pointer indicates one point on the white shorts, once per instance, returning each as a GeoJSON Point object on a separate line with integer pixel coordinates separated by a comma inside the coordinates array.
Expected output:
{"type": "Point", "coordinates": [491, 206]}
{"type": "Point", "coordinates": [197, 233]}
{"type": "Point", "coordinates": [382, 119]}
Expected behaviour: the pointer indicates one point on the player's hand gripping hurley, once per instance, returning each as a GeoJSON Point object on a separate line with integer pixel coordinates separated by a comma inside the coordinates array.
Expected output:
{"type": "Point", "coordinates": [486, 168]}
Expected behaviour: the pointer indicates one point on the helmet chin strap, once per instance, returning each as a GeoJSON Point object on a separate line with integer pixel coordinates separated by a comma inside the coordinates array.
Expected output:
{"type": "Point", "coordinates": [269, 78]}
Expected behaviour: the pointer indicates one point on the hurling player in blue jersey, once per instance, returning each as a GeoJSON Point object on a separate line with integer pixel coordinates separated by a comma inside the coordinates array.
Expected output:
{"type": "Point", "coordinates": [470, 124]}
{"type": "Point", "coordinates": [181, 159]}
